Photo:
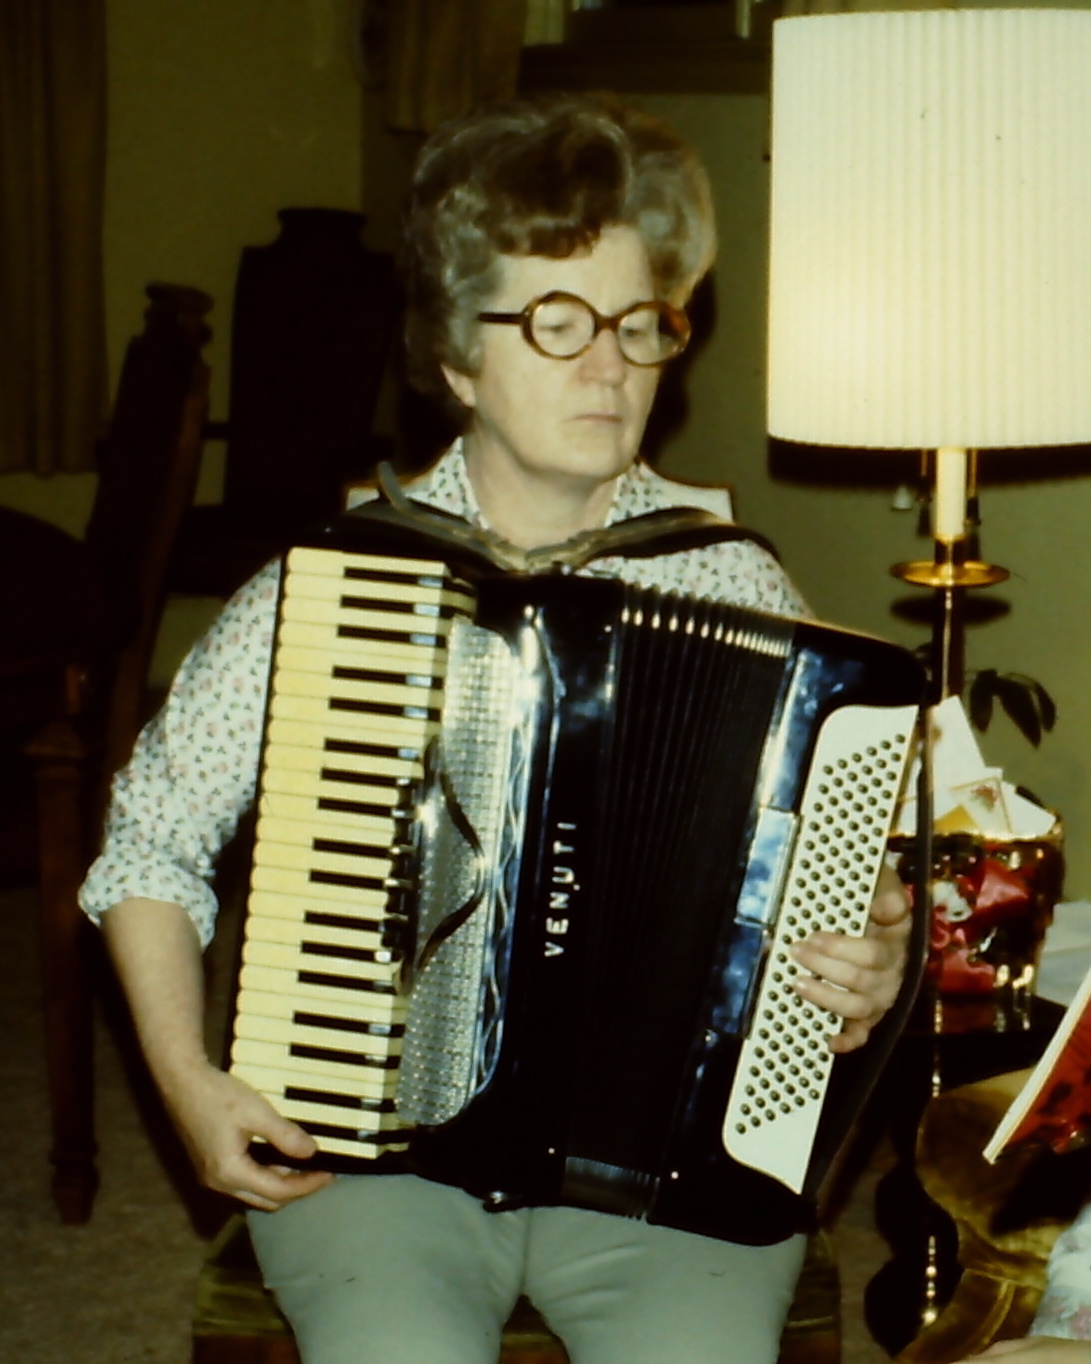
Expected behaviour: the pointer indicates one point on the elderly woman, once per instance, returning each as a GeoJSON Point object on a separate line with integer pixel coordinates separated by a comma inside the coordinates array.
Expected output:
{"type": "Point", "coordinates": [551, 247]}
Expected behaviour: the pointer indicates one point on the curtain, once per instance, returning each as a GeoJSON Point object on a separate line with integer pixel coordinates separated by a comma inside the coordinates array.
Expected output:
{"type": "Point", "coordinates": [446, 56]}
{"type": "Point", "coordinates": [53, 385]}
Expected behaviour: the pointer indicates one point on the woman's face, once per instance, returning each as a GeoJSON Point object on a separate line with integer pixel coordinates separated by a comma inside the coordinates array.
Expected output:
{"type": "Point", "coordinates": [539, 424]}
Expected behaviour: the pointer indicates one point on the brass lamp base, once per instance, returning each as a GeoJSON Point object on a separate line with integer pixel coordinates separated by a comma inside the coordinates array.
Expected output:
{"type": "Point", "coordinates": [929, 573]}
{"type": "Point", "coordinates": [949, 573]}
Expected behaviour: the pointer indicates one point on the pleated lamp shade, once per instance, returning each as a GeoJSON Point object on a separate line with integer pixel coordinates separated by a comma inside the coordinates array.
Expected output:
{"type": "Point", "coordinates": [930, 253]}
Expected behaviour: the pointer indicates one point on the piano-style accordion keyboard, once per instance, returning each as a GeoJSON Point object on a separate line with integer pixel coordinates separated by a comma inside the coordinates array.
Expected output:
{"type": "Point", "coordinates": [750, 781]}
{"type": "Point", "coordinates": [354, 700]}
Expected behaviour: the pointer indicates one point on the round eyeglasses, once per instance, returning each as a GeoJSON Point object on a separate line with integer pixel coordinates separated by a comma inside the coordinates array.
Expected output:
{"type": "Point", "coordinates": [563, 326]}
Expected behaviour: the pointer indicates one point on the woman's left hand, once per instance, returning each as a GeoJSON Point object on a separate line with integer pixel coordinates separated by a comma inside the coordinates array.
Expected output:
{"type": "Point", "coordinates": [859, 978]}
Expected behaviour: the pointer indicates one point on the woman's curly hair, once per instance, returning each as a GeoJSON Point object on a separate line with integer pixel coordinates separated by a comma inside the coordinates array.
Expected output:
{"type": "Point", "coordinates": [541, 177]}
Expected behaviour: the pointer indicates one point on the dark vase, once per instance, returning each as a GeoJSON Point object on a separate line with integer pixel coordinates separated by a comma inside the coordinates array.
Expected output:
{"type": "Point", "coordinates": [315, 313]}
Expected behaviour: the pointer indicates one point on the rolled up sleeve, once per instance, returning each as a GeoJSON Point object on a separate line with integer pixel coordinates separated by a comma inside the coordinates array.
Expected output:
{"type": "Point", "coordinates": [193, 772]}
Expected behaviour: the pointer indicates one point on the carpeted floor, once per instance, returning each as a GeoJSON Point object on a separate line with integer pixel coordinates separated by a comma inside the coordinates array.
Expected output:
{"type": "Point", "coordinates": [120, 1289]}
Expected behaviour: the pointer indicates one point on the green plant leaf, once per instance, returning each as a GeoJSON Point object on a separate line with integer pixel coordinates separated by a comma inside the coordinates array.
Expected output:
{"type": "Point", "coordinates": [980, 698]}
{"type": "Point", "coordinates": [1021, 705]}
{"type": "Point", "coordinates": [1043, 702]}
{"type": "Point", "coordinates": [1023, 699]}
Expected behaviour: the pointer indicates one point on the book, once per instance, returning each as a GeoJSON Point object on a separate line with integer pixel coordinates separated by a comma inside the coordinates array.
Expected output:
{"type": "Point", "coordinates": [1053, 1109]}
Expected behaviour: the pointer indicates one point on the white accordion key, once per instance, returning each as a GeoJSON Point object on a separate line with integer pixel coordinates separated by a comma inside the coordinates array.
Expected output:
{"type": "Point", "coordinates": [784, 1065]}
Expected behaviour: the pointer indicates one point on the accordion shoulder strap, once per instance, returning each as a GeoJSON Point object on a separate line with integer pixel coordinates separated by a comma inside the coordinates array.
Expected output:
{"type": "Point", "coordinates": [668, 531]}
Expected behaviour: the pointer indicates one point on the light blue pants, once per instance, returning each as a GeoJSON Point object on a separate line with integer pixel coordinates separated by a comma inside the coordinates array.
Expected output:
{"type": "Point", "coordinates": [396, 1270]}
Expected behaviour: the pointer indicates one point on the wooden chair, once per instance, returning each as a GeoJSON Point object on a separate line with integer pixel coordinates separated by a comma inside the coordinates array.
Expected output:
{"type": "Point", "coordinates": [236, 1319]}
{"type": "Point", "coordinates": [97, 630]}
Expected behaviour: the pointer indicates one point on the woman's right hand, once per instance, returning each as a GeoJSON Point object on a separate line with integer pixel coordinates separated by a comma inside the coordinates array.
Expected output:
{"type": "Point", "coordinates": [1038, 1350]}
{"type": "Point", "coordinates": [217, 1116]}
{"type": "Point", "coordinates": [155, 948]}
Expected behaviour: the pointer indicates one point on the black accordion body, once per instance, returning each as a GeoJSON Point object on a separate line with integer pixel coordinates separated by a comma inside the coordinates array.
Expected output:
{"type": "Point", "coordinates": [530, 855]}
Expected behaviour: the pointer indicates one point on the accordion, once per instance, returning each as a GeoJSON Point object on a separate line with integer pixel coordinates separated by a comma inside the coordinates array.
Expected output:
{"type": "Point", "coordinates": [531, 853]}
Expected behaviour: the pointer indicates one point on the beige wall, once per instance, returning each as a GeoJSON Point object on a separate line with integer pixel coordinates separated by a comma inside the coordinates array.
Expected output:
{"type": "Point", "coordinates": [221, 113]}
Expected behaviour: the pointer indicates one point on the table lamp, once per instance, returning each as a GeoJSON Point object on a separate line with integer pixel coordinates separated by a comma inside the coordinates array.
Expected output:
{"type": "Point", "coordinates": [930, 252]}
{"type": "Point", "coordinates": [930, 284]}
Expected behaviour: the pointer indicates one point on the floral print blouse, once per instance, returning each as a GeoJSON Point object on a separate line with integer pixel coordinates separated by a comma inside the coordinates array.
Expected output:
{"type": "Point", "coordinates": [1065, 1309]}
{"type": "Point", "coordinates": [193, 773]}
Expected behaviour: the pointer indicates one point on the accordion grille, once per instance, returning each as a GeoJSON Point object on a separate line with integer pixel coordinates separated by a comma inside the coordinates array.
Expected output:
{"type": "Point", "coordinates": [453, 1027]}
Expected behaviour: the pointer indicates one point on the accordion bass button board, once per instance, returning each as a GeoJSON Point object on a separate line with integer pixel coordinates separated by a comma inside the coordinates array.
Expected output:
{"type": "Point", "coordinates": [531, 855]}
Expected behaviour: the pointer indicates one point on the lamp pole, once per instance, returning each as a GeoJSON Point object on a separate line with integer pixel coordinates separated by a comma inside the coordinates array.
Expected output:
{"type": "Point", "coordinates": [952, 570]}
